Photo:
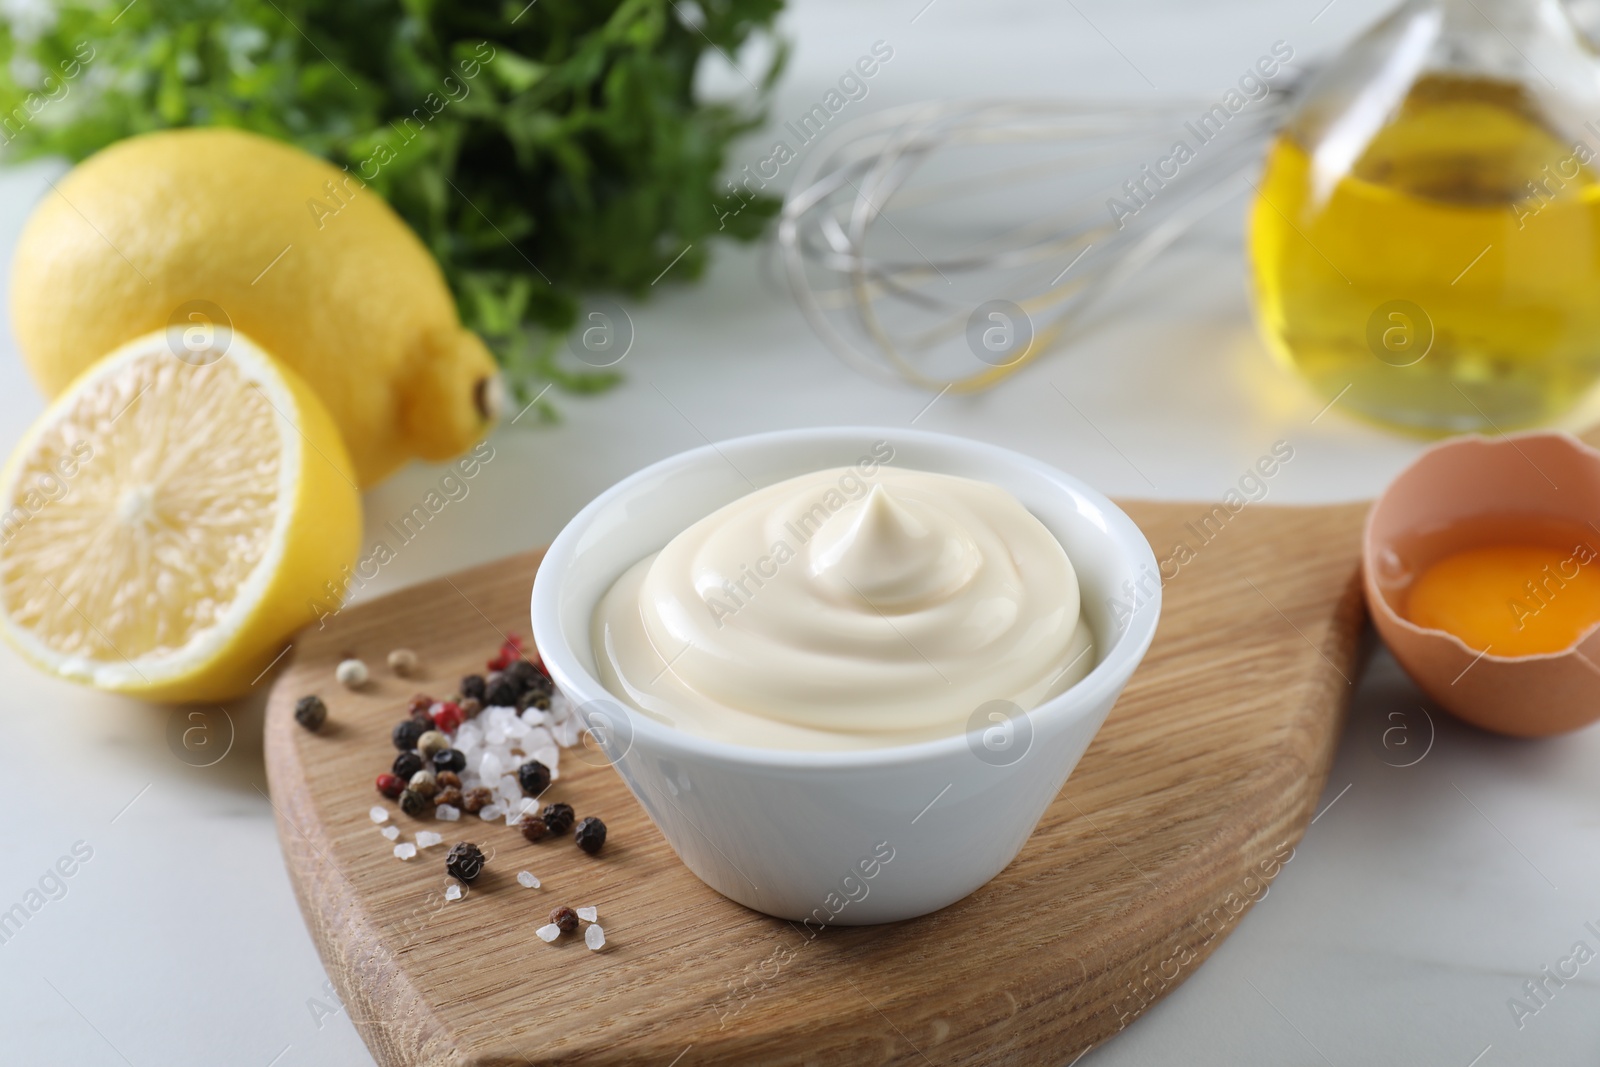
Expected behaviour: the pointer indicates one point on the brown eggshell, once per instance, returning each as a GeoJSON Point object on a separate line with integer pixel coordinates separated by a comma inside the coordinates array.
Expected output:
{"type": "Point", "coordinates": [1545, 474]}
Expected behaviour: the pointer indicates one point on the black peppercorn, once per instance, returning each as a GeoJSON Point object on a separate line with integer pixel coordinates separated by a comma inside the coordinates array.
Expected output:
{"type": "Point", "coordinates": [465, 861]}
{"type": "Point", "coordinates": [473, 686]}
{"type": "Point", "coordinates": [406, 764]}
{"type": "Point", "coordinates": [500, 692]}
{"type": "Point", "coordinates": [534, 776]}
{"type": "Point", "coordinates": [406, 733]}
{"type": "Point", "coordinates": [522, 673]}
{"type": "Point", "coordinates": [564, 919]}
{"type": "Point", "coordinates": [559, 817]}
{"type": "Point", "coordinates": [449, 760]}
{"type": "Point", "coordinates": [534, 828]}
{"type": "Point", "coordinates": [590, 834]}
{"type": "Point", "coordinates": [310, 712]}
{"type": "Point", "coordinates": [412, 802]}
{"type": "Point", "coordinates": [533, 699]}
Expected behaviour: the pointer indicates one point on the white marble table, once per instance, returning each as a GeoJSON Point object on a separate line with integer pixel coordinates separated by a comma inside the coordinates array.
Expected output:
{"type": "Point", "coordinates": [1418, 904]}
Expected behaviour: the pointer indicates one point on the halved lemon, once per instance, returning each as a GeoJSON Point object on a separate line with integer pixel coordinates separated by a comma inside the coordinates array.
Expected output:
{"type": "Point", "coordinates": [172, 518]}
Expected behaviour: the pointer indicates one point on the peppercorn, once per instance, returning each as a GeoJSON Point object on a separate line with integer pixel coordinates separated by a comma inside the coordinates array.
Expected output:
{"type": "Point", "coordinates": [402, 661]}
{"type": "Point", "coordinates": [472, 686]}
{"type": "Point", "coordinates": [351, 673]}
{"type": "Point", "coordinates": [406, 733]}
{"type": "Point", "coordinates": [500, 692]}
{"type": "Point", "coordinates": [391, 785]}
{"type": "Point", "coordinates": [406, 764]}
{"type": "Point", "coordinates": [420, 702]}
{"type": "Point", "coordinates": [425, 783]}
{"type": "Point", "coordinates": [522, 673]}
{"type": "Point", "coordinates": [535, 828]}
{"type": "Point", "coordinates": [432, 741]}
{"type": "Point", "coordinates": [534, 776]}
{"type": "Point", "coordinates": [412, 802]}
{"type": "Point", "coordinates": [448, 780]}
{"type": "Point", "coordinates": [310, 712]}
{"type": "Point", "coordinates": [590, 835]}
{"type": "Point", "coordinates": [448, 794]}
{"type": "Point", "coordinates": [447, 716]}
{"type": "Point", "coordinates": [470, 706]}
{"type": "Point", "coordinates": [534, 700]}
{"type": "Point", "coordinates": [474, 800]}
{"type": "Point", "coordinates": [449, 760]}
{"type": "Point", "coordinates": [464, 861]}
{"type": "Point", "coordinates": [565, 919]}
{"type": "Point", "coordinates": [559, 817]}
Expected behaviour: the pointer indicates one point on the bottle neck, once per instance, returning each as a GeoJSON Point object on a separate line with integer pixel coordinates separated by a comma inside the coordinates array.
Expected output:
{"type": "Point", "coordinates": [1513, 19]}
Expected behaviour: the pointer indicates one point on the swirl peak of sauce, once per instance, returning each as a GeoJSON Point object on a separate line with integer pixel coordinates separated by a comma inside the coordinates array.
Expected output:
{"type": "Point", "coordinates": [842, 609]}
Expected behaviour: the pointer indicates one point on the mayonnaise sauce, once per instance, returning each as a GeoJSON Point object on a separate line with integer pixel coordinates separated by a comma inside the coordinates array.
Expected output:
{"type": "Point", "coordinates": [848, 608]}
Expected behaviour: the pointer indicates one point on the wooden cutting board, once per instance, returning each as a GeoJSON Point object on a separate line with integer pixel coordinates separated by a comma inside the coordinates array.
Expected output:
{"type": "Point", "coordinates": [1182, 812]}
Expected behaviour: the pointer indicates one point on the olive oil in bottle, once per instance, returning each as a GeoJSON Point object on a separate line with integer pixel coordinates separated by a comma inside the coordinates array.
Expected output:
{"type": "Point", "coordinates": [1433, 260]}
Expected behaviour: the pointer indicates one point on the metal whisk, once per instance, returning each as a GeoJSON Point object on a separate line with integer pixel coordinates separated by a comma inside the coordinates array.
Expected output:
{"type": "Point", "coordinates": [950, 244]}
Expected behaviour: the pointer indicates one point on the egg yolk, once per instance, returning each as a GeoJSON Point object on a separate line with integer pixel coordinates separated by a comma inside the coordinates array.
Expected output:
{"type": "Point", "coordinates": [1511, 600]}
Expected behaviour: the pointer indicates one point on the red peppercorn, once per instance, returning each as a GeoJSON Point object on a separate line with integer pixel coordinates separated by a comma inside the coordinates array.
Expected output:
{"type": "Point", "coordinates": [447, 717]}
{"type": "Point", "coordinates": [390, 785]}
{"type": "Point", "coordinates": [509, 653]}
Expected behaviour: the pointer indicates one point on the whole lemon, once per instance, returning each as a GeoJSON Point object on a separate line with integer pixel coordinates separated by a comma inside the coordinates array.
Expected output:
{"type": "Point", "coordinates": [200, 230]}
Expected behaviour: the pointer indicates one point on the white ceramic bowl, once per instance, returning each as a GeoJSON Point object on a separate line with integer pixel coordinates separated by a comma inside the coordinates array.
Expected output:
{"type": "Point", "coordinates": [858, 836]}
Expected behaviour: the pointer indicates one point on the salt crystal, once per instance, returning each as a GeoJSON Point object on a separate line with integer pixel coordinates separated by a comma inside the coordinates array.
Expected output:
{"type": "Point", "coordinates": [594, 937]}
{"type": "Point", "coordinates": [405, 851]}
{"type": "Point", "coordinates": [490, 767]}
{"type": "Point", "coordinates": [495, 735]}
{"type": "Point", "coordinates": [549, 755]}
{"type": "Point", "coordinates": [548, 933]}
{"type": "Point", "coordinates": [588, 915]}
{"type": "Point", "coordinates": [378, 813]}
{"type": "Point", "coordinates": [566, 732]}
{"type": "Point", "coordinates": [490, 812]}
{"type": "Point", "coordinates": [518, 729]}
{"type": "Point", "coordinates": [447, 812]}
{"type": "Point", "coordinates": [533, 717]}
{"type": "Point", "coordinates": [427, 838]}
{"type": "Point", "coordinates": [391, 832]}
{"type": "Point", "coordinates": [538, 738]}
{"type": "Point", "coordinates": [452, 892]}
{"type": "Point", "coordinates": [528, 880]}
{"type": "Point", "coordinates": [499, 714]}
{"type": "Point", "coordinates": [469, 734]}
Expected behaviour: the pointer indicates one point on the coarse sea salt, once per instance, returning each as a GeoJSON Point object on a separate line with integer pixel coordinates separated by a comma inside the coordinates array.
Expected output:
{"type": "Point", "coordinates": [490, 812]}
{"type": "Point", "coordinates": [527, 879]}
{"type": "Point", "coordinates": [391, 832]}
{"type": "Point", "coordinates": [447, 812]}
{"type": "Point", "coordinates": [588, 915]}
{"type": "Point", "coordinates": [378, 814]}
{"type": "Point", "coordinates": [427, 838]}
{"type": "Point", "coordinates": [452, 892]}
{"type": "Point", "coordinates": [405, 851]}
{"type": "Point", "coordinates": [548, 933]}
{"type": "Point", "coordinates": [594, 937]}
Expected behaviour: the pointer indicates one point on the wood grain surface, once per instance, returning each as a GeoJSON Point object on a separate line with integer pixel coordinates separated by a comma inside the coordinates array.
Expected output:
{"type": "Point", "coordinates": [1182, 812]}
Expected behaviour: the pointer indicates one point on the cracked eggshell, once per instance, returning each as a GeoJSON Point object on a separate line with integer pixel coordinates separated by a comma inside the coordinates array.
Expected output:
{"type": "Point", "coordinates": [1547, 474]}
